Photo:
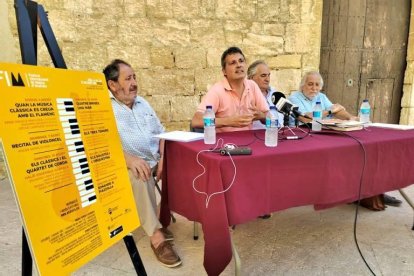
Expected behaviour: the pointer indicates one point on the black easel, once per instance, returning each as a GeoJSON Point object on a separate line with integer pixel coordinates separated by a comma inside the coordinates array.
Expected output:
{"type": "Point", "coordinates": [29, 15]}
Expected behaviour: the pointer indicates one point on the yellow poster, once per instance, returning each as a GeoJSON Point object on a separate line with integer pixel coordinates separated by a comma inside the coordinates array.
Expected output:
{"type": "Point", "coordinates": [66, 164]}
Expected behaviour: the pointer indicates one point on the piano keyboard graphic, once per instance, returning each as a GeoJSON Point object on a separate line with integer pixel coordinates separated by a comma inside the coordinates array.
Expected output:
{"type": "Point", "coordinates": [76, 150]}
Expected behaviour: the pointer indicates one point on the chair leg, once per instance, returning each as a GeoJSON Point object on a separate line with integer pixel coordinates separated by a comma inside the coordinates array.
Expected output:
{"type": "Point", "coordinates": [195, 235]}
{"type": "Point", "coordinates": [405, 196]}
{"type": "Point", "coordinates": [159, 191]}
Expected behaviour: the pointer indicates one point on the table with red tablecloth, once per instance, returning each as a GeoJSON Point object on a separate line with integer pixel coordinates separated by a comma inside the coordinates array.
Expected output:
{"type": "Point", "coordinates": [323, 169]}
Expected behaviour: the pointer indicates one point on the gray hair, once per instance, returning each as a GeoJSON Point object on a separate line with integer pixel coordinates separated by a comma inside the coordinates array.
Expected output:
{"type": "Point", "coordinates": [251, 71]}
{"type": "Point", "coordinates": [305, 78]}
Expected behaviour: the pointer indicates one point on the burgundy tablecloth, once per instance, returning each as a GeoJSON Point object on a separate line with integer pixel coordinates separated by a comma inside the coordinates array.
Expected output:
{"type": "Point", "coordinates": [323, 169]}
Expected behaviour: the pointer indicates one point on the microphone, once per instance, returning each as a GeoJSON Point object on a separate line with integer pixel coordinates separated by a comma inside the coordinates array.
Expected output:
{"type": "Point", "coordinates": [285, 106]}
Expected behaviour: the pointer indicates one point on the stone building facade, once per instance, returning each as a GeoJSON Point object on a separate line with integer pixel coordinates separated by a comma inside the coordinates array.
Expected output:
{"type": "Point", "coordinates": [175, 45]}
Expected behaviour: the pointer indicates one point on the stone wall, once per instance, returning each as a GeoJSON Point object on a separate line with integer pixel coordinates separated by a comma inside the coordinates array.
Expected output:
{"type": "Point", "coordinates": [8, 52]}
{"type": "Point", "coordinates": [407, 102]}
{"type": "Point", "coordinates": [175, 45]}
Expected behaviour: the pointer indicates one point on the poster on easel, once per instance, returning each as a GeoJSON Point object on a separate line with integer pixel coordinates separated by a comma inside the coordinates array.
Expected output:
{"type": "Point", "coordinates": [65, 164]}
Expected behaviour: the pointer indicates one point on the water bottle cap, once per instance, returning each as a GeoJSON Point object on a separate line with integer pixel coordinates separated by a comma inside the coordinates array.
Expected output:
{"type": "Point", "coordinates": [318, 102]}
{"type": "Point", "coordinates": [365, 101]}
{"type": "Point", "coordinates": [209, 107]}
{"type": "Point", "coordinates": [273, 107]}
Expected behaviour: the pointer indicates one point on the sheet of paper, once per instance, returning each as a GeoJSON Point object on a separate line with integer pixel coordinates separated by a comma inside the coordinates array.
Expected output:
{"type": "Point", "coordinates": [393, 126]}
{"type": "Point", "coordinates": [181, 136]}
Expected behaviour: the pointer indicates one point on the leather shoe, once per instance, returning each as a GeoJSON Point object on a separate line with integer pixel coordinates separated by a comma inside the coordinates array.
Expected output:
{"type": "Point", "coordinates": [166, 254]}
{"type": "Point", "coordinates": [168, 235]}
{"type": "Point", "coordinates": [392, 201]}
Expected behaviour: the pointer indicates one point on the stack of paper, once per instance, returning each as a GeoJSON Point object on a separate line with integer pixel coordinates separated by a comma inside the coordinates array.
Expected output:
{"type": "Point", "coordinates": [181, 136]}
{"type": "Point", "coordinates": [342, 125]}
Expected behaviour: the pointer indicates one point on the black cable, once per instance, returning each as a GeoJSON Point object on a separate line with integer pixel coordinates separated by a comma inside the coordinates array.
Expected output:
{"type": "Point", "coordinates": [359, 192]}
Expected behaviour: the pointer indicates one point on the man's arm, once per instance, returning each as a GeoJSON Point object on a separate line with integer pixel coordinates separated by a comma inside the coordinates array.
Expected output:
{"type": "Point", "coordinates": [231, 121]}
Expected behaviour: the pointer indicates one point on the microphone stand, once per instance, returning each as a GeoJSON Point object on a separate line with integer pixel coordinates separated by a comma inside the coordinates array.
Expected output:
{"type": "Point", "coordinates": [286, 124]}
{"type": "Point", "coordinates": [297, 125]}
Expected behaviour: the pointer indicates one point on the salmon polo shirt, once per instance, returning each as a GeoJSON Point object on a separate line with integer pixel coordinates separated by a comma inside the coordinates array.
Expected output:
{"type": "Point", "coordinates": [226, 102]}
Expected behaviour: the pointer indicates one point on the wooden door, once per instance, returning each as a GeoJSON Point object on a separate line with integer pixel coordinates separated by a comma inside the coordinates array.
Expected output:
{"type": "Point", "coordinates": [363, 54]}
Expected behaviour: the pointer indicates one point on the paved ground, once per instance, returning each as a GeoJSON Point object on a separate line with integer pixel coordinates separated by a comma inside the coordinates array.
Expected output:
{"type": "Point", "coordinates": [298, 241]}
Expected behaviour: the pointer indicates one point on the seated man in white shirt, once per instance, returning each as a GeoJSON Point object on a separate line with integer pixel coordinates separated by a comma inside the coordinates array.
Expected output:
{"type": "Point", "coordinates": [259, 72]}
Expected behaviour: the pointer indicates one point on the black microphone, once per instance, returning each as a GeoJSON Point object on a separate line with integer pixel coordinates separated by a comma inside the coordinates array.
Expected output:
{"type": "Point", "coordinates": [285, 106]}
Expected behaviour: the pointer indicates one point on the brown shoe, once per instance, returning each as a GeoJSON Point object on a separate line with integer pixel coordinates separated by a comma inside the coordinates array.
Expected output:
{"type": "Point", "coordinates": [166, 254]}
{"type": "Point", "coordinates": [168, 235]}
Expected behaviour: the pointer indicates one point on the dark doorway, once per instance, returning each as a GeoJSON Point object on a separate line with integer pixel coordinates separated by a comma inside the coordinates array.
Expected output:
{"type": "Point", "coordinates": [363, 54]}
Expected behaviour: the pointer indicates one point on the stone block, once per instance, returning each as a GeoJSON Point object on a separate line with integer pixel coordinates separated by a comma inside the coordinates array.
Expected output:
{"type": "Point", "coordinates": [407, 116]}
{"type": "Point", "coordinates": [161, 56]}
{"type": "Point", "coordinates": [207, 8]}
{"type": "Point", "coordinates": [159, 8]}
{"type": "Point", "coordinates": [137, 55]}
{"type": "Point", "coordinates": [410, 48]}
{"type": "Point", "coordinates": [310, 61]}
{"type": "Point", "coordinates": [182, 125]}
{"type": "Point", "coordinates": [206, 77]}
{"type": "Point", "coordinates": [286, 80]}
{"type": "Point", "coordinates": [300, 36]}
{"type": "Point", "coordinates": [233, 38]}
{"type": "Point", "coordinates": [170, 33]}
{"type": "Point", "coordinates": [190, 57]}
{"type": "Point", "coordinates": [285, 61]}
{"type": "Point", "coordinates": [407, 99]}
{"type": "Point", "coordinates": [79, 6]}
{"type": "Point", "coordinates": [311, 11]}
{"type": "Point", "coordinates": [256, 28]}
{"type": "Point", "coordinates": [186, 9]}
{"type": "Point", "coordinates": [207, 33]}
{"type": "Point", "coordinates": [268, 11]}
{"type": "Point", "coordinates": [274, 29]}
{"type": "Point", "coordinates": [290, 11]}
{"type": "Point", "coordinates": [167, 82]}
{"type": "Point", "coordinates": [162, 107]}
{"type": "Point", "coordinates": [237, 25]}
{"type": "Point", "coordinates": [142, 35]}
{"type": "Point", "coordinates": [183, 108]}
{"type": "Point", "coordinates": [242, 10]}
{"type": "Point", "coordinates": [409, 73]}
{"type": "Point", "coordinates": [134, 8]}
{"type": "Point", "coordinates": [214, 57]}
{"type": "Point", "coordinates": [268, 45]}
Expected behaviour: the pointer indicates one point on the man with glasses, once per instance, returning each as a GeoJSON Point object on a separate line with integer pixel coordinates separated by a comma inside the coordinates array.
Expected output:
{"type": "Point", "coordinates": [237, 102]}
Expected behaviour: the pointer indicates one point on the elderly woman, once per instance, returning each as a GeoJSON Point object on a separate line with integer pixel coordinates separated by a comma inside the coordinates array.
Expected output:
{"type": "Point", "coordinates": [309, 93]}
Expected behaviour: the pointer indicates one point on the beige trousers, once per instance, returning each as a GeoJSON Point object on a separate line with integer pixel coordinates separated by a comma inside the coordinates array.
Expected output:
{"type": "Point", "coordinates": [145, 200]}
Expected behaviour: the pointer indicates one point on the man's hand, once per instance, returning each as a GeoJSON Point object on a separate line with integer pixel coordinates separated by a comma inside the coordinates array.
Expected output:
{"type": "Point", "coordinates": [240, 120]}
{"type": "Point", "coordinates": [257, 114]}
{"type": "Point", "coordinates": [337, 108]}
{"type": "Point", "coordinates": [138, 166]}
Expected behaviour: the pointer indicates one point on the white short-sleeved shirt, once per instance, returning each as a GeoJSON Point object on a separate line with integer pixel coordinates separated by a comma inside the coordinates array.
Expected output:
{"type": "Point", "coordinates": [137, 127]}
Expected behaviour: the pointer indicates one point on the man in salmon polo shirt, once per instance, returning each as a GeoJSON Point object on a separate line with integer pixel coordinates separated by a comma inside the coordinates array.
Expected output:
{"type": "Point", "coordinates": [236, 101]}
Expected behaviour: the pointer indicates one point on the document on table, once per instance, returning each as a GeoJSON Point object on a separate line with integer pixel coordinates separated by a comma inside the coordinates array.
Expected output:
{"type": "Point", "coordinates": [181, 136]}
{"type": "Point", "coordinates": [393, 126]}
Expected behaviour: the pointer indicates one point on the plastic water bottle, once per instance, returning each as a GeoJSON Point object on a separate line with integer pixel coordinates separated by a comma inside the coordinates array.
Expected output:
{"type": "Point", "coordinates": [271, 127]}
{"type": "Point", "coordinates": [317, 117]}
{"type": "Point", "coordinates": [364, 112]}
{"type": "Point", "coordinates": [209, 119]}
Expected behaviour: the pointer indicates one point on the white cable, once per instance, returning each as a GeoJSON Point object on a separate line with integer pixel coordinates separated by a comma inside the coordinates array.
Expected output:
{"type": "Point", "coordinates": [208, 197]}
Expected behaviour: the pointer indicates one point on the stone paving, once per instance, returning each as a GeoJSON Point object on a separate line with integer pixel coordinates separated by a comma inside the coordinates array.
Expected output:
{"type": "Point", "coordinates": [297, 241]}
